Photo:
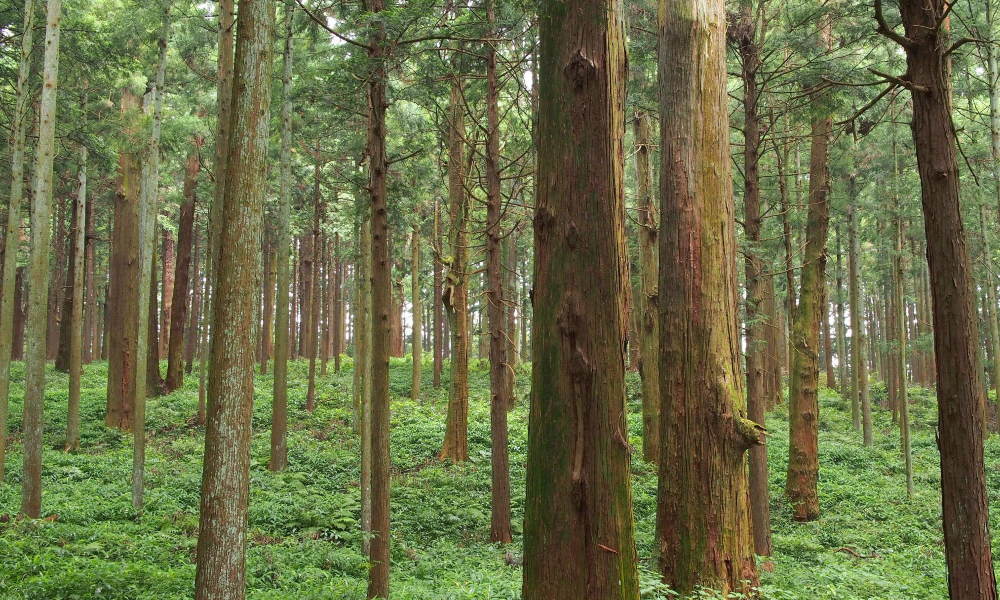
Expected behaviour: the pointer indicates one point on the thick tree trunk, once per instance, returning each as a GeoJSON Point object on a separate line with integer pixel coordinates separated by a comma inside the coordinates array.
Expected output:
{"type": "Point", "coordinates": [279, 417]}
{"type": "Point", "coordinates": [578, 533]}
{"type": "Point", "coordinates": [647, 307]}
{"type": "Point", "coordinates": [66, 319]}
{"type": "Point", "coordinates": [179, 303]}
{"type": "Point", "coordinates": [41, 209]}
{"type": "Point", "coordinates": [12, 277]}
{"type": "Point", "coordinates": [500, 528]}
{"type": "Point", "coordinates": [123, 297]}
{"type": "Point", "coordinates": [221, 552]}
{"type": "Point", "coordinates": [705, 432]}
{"type": "Point", "coordinates": [362, 377]}
{"type": "Point", "coordinates": [455, 295]}
{"type": "Point", "coordinates": [57, 281]}
{"type": "Point", "coordinates": [810, 317]}
{"type": "Point", "coordinates": [960, 393]}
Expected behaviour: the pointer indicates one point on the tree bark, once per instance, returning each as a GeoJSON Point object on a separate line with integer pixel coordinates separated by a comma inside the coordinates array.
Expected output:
{"type": "Point", "coordinates": [221, 552]}
{"type": "Point", "coordinates": [279, 417]}
{"type": "Point", "coordinates": [647, 309]}
{"type": "Point", "coordinates": [747, 32]}
{"type": "Point", "coordinates": [500, 527]}
{"type": "Point", "coordinates": [455, 295]}
{"type": "Point", "coordinates": [381, 277]}
{"type": "Point", "coordinates": [313, 288]}
{"type": "Point", "coordinates": [123, 297]}
{"type": "Point", "coordinates": [961, 397]}
{"type": "Point", "coordinates": [578, 533]}
{"type": "Point", "coordinates": [66, 319]}
{"type": "Point", "coordinates": [182, 277]}
{"type": "Point", "coordinates": [810, 317]}
{"type": "Point", "coordinates": [41, 209]}
{"type": "Point", "coordinates": [704, 430]}
{"type": "Point", "coordinates": [76, 306]}
{"type": "Point", "coordinates": [12, 282]}
{"type": "Point", "coordinates": [169, 264]}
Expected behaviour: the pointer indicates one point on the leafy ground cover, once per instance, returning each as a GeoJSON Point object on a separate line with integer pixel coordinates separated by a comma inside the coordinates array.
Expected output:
{"type": "Point", "coordinates": [871, 542]}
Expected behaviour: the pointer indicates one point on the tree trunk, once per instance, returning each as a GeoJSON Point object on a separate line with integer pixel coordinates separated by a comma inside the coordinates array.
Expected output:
{"type": "Point", "coordinates": [831, 378]}
{"type": "Point", "coordinates": [90, 337]}
{"type": "Point", "coordinates": [455, 295]}
{"type": "Point", "coordinates": [41, 218]}
{"type": "Point", "coordinates": [810, 317]}
{"type": "Point", "coordinates": [267, 332]}
{"type": "Point", "coordinates": [438, 308]}
{"type": "Point", "coordinates": [960, 393]}
{"type": "Point", "coordinates": [313, 288]}
{"type": "Point", "coordinates": [166, 308]}
{"type": "Point", "coordinates": [12, 282]}
{"type": "Point", "coordinates": [148, 346]}
{"type": "Point", "coordinates": [279, 417]}
{"type": "Point", "coordinates": [417, 310]}
{"type": "Point", "coordinates": [500, 528]}
{"type": "Point", "coordinates": [75, 311]}
{"type": "Point", "coordinates": [221, 552]}
{"type": "Point", "coordinates": [861, 416]}
{"type": "Point", "coordinates": [841, 330]}
{"type": "Point", "coordinates": [578, 533]}
{"type": "Point", "coordinates": [57, 282]}
{"type": "Point", "coordinates": [991, 302]}
{"type": "Point", "coordinates": [191, 344]}
{"type": "Point", "coordinates": [123, 299]}
{"type": "Point", "coordinates": [182, 277]}
{"type": "Point", "coordinates": [704, 429]}
{"type": "Point", "coordinates": [66, 320]}
{"type": "Point", "coordinates": [747, 33]}
{"type": "Point", "coordinates": [338, 303]}
{"type": "Point", "coordinates": [899, 293]}
{"type": "Point", "coordinates": [381, 277]}
{"type": "Point", "coordinates": [648, 313]}
{"type": "Point", "coordinates": [362, 374]}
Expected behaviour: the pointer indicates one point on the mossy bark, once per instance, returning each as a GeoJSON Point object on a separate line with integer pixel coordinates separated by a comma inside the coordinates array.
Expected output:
{"type": "Point", "coordinates": [578, 528]}
{"type": "Point", "coordinates": [704, 531]}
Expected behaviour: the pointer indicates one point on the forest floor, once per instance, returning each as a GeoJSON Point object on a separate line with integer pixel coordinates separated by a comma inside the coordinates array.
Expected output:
{"type": "Point", "coordinates": [870, 543]}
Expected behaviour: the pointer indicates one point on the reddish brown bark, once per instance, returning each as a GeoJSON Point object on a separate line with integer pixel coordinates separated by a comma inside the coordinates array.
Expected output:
{"type": "Point", "coordinates": [182, 277]}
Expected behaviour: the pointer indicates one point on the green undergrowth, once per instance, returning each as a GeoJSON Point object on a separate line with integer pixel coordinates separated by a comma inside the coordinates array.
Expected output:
{"type": "Point", "coordinates": [870, 543]}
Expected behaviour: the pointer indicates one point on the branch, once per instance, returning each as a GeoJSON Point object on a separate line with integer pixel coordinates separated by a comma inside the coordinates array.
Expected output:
{"type": "Point", "coordinates": [331, 30]}
{"type": "Point", "coordinates": [963, 42]}
{"type": "Point", "coordinates": [892, 85]}
{"type": "Point", "coordinates": [903, 83]}
{"type": "Point", "coordinates": [748, 433]}
{"type": "Point", "coordinates": [402, 158]}
{"type": "Point", "coordinates": [884, 29]}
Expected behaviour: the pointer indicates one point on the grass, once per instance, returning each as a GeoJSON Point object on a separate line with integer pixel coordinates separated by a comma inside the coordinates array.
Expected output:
{"type": "Point", "coordinates": [304, 522]}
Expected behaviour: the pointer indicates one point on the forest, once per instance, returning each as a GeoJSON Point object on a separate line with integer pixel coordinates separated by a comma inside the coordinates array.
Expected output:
{"type": "Point", "coordinates": [496, 299]}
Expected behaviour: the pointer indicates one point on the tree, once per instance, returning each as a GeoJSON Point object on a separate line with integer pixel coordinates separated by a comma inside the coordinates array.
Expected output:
{"type": "Point", "coordinates": [279, 420]}
{"type": "Point", "coordinates": [500, 529]}
{"type": "Point", "coordinates": [704, 430]}
{"type": "Point", "coordinates": [810, 318]}
{"type": "Point", "coordinates": [649, 332]}
{"type": "Point", "coordinates": [9, 286]}
{"type": "Point", "coordinates": [41, 231]}
{"type": "Point", "coordinates": [578, 532]}
{"type": "Point", "coordinates": [417, 309]}
{"type": "Point", "coordinates": [76, 307]}
{"type": "Point", "coordinates": [961, 397]}
{"type": "Point", "coordinates": [221, 568]}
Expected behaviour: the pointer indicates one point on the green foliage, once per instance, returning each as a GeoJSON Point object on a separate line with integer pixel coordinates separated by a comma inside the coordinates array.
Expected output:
{"type": "Point", "coordinates": [304, 535]}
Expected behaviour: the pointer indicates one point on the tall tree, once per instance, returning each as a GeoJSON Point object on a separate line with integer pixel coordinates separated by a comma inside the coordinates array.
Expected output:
{"type": "Point", "coordinates": [801, 485]}
{"type": "Point", "coordinates": [704, 430]}
{"type": "Point", "coordinates": [455, 295]}
{"type": "Point", "coordinates": [76, 307]}
{"type": "Point", "coordinates": [41, 231]}
{"type": "Point", "coordinates": [279, 419]}
{"type": "Point", "coordinates": [182, 276]}
{"type": "Point", "coordinates": [961, 397]}
{"type": "Point", "coordinates": [578, 532]}
{"type": "Point", "coordinates": [500, 529]}
{"type": "Point", "coordinates": [221, 568]}
{"type": "Point", "coordinates": [9, 285]}
{"type": "Point", "coordinates": [417, 309]}
{"type": "Point", "coordinates": [649, 331]}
